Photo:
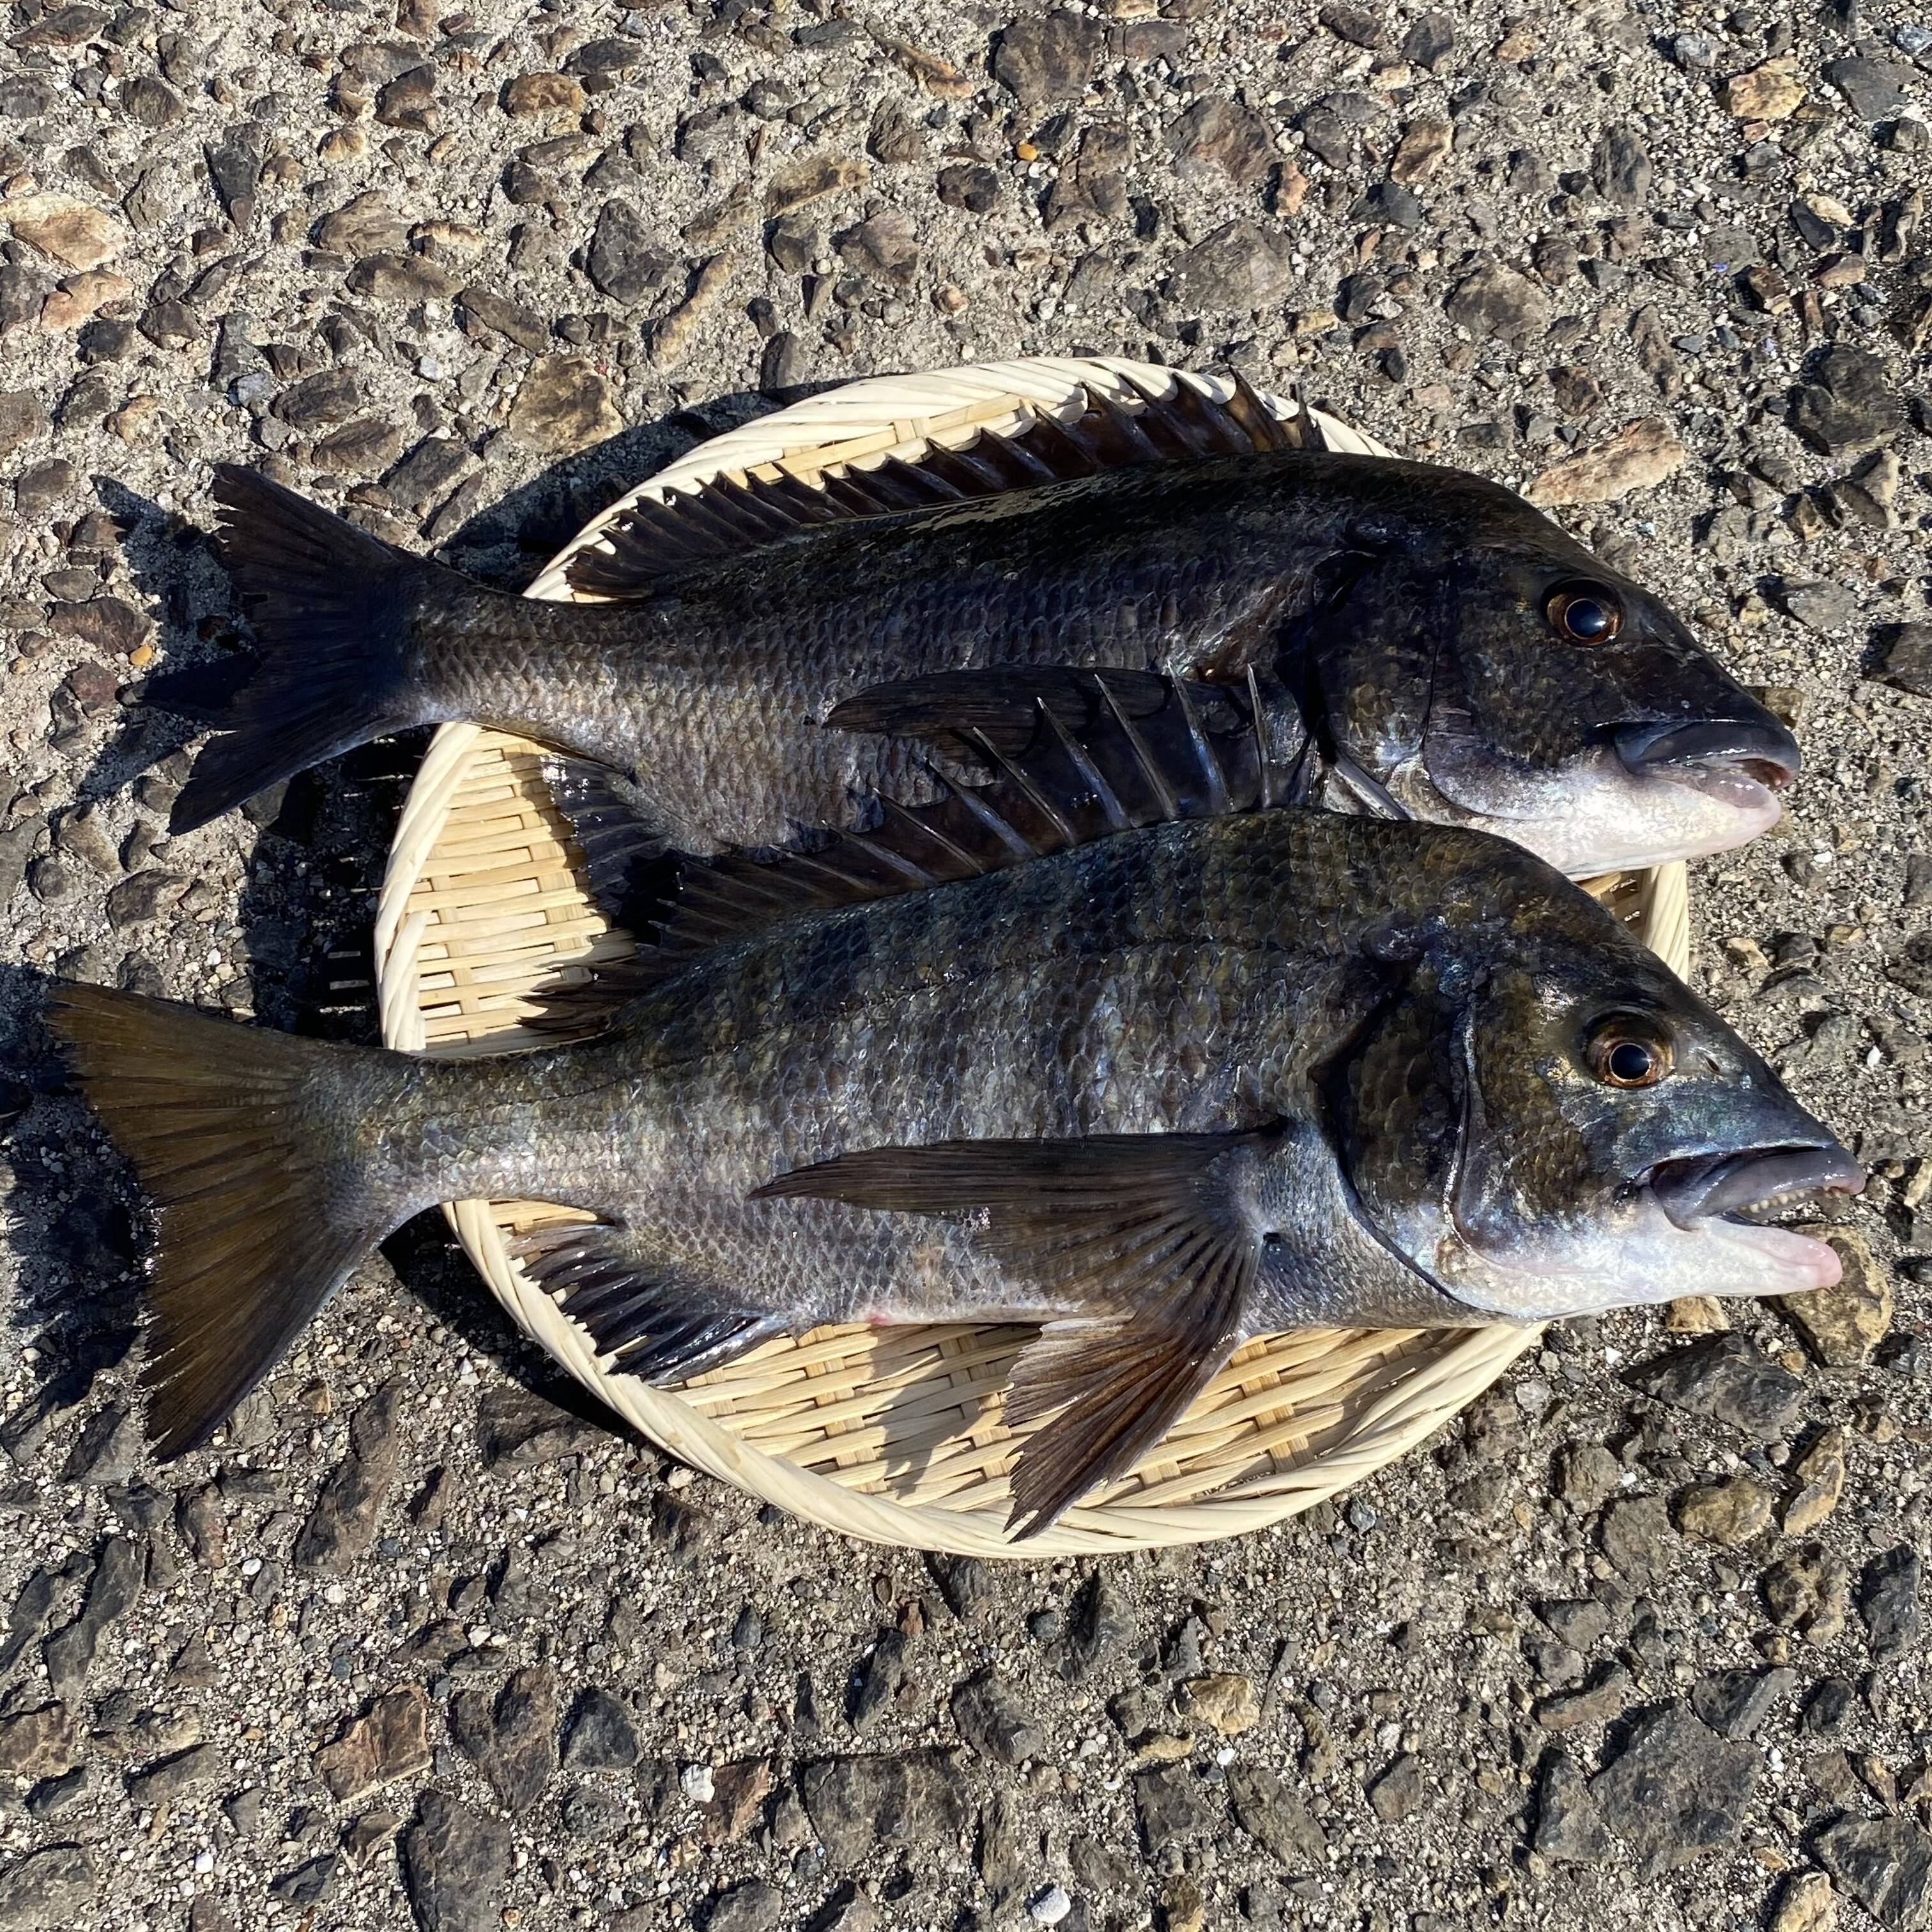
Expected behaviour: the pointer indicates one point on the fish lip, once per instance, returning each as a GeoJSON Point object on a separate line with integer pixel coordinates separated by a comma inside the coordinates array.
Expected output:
{"type": "Point", "coordinates": [1706, 1186]}
{"type": "Point", "coordinates": [1758, 750]}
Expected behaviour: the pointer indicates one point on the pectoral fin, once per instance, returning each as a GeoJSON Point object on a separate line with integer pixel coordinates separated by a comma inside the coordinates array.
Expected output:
{"type": "Point", "coordinates": [1152, 1241]}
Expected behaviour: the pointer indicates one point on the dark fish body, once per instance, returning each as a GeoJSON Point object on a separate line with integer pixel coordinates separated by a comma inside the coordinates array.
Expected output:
{"type": "Point", "coordinates": [1408, 616]}
{"type": "Point", "coordinates": [1162, 1092]}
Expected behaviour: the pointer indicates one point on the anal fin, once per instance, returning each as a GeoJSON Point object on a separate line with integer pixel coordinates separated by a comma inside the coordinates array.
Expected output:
{"type": "Point", "coordinates": [646, 1320]}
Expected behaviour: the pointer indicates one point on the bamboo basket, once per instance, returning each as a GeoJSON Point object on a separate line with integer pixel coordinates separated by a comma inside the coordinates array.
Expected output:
{"type": "Point", "coordinates": [896, 1435]}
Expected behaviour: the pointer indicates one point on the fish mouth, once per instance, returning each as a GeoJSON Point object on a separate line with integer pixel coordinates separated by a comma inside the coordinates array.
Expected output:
{"type": "Point", "coordinates": [1757, 754]}
{"type": "Point", "coordinates": [1736, 1187]}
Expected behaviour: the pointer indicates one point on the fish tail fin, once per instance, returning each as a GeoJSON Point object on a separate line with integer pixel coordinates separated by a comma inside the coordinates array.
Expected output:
{"type": "Point", "coordinates": [267, 1189]}
{"type": "Point", "coordinates": [332, 608]}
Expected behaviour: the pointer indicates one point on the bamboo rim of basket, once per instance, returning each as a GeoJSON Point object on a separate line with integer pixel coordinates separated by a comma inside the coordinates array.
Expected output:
{"type": "Point", "coordinates": [895, 1436]}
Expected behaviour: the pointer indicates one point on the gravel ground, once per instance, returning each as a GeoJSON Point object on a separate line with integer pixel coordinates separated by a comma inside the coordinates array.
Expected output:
{"type": "Point", "coordinates": [1637, 1642]}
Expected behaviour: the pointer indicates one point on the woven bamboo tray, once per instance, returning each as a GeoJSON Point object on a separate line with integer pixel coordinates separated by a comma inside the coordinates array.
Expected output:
{"type": "Point", "coordinates": [894, 1435]}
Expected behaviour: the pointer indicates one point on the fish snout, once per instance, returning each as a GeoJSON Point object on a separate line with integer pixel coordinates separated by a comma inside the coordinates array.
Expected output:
{"type": "Point", "coordinates": [1759, 748]}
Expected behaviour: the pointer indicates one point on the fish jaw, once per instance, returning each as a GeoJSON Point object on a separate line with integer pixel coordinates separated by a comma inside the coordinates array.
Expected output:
{"type": "Point", "coordinates": [1622, 823]}
{"type": "Point", "coordinates": [1637, 1257]}
{"type": "Point", "coordinates": [1594, 815]}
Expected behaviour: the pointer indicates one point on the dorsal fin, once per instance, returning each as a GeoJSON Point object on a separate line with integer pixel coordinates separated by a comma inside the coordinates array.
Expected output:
{"type": "Point", "coordinates": [1103, 751]}
{"type": "Point", "coordinates": [651, 541]}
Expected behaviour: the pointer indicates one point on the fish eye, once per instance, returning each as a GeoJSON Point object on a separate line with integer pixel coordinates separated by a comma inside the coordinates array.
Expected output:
{"type": "Point", "coordinates": [1627, 1050]}
{"type": "Point", "coordinates": [1585, 613]}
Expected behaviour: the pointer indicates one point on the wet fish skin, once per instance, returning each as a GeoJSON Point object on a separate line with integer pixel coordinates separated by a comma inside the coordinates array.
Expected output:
{"type": "Point", "coordinates": [1199, 1082]}
{"type": "Point", "coordinates": [1404, 606]}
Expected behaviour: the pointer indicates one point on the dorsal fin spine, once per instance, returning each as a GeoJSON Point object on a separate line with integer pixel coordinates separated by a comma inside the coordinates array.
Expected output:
{"type": "Point", "coordinates": [1031, 792]}
{"type": "Point", "coordinates": [1150, 766]}
{"type": "Point", "coordinates": [1211, 772]}
{"type": "Point", "coordinates": [1109, 800]}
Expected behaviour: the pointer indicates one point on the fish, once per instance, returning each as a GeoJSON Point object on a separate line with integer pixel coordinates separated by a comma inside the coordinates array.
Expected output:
{"type": "Point", "coordinates": [1445, 650]}
{"type": "Point", "coordinates": [1156, 1093]}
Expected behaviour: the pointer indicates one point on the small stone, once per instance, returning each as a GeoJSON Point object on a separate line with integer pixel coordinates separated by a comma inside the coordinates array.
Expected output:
{"type": "Point", "coordinates": [1223, 1700]}
{"type": "Point", "coordinates": [1676, 1790]}
{"type": "Point", "coordinates": [21, 418]}
{"type": "Point", "coordinates": [1842, 1325]}
{"type": "Point", "coordinates": [1906, 659]}
{"type": "Point", "coordinates": [143, 896]}
{"type": "Point", "coordinates": [879, 1680]}
{"type": "Point", "coordinates": [1807, 1903]}
{"type": "Point", "coordinates": [967, 1584]}
{"type": "Point", "coordinates": [1809, 1591]}
{"type": "Point", "coordinates": [47, 1891]}
{"type": "Point", "coordinates": [115, 1590]}
{"type": "Point", "coordinates": [454, 1861]}
{"type": "Point", "coordinates": [109, 623]}
{"type": "Point", "coordinates": [1620, 167]}
{"type": "Point", "coordinates": [750, 1905]}
{"type": "Point", "coordinates": [624, 259]}
{"type": "Point", "coordinates": [1819, 603]}
{"type": "Point", "coordinates": [1885, 1864]}
{"type": "Point", "coordinates": [518, 1429]}
{"type": "Point", "coordinates": [1727, 1377]}
{"type": "Point", "coordinates": [174, 1777]}
{"type": "Point", "coordinates": [43, 1742]}
{"type": "Point", "coordinates": [72, 231]}
{"type": "Point", "coordinates": [389, 1741]}
{"type": "Point", "coordinates": [512, 1741]}
{"type": "Point", "coordinates": [1847, 407]}
{"type": "Point", "coordinates": [1587, 1475]}
{"type": "Point", "coordinates": [885, 245]}
{"type": "Point", "coordinates": [1424, 145]}
{"type": "Point", "coordinates": [1220, 139]}
{"type": "Point", "coordinates": [908, 1803]}
{"type": "Point", "coordinates": [1171, 1807]}
{"type": "Point", "coordinates": [1276, 1818]}
{"type": "Point", "coordinates": [366, 226]}
{"type": "Point", "coordinates": [1240, 266]}
{"type": "Point", "coordinates": [1397, 1793]}
{"type": "Point", "coordinates": [1762, 94]}
{"type": "Point", "coordinates": [371, 1834]}
{"type": "Point", "coordinates": [811, 177]}
{"type": "Point", "coordinates": [991, 1719]}
{"type": "Point", "coordinates": [1728, 1513]}
{"type": "Point", "coordinates": [1634, 1534]}
{"type": "Point", "coordinates": [1889, 1602]}
{"type": "Point", "coordinates": [602, 1736]}
{"type": "Point", "coordinates": [1496, 303]}
{"type": "Point", "coordinates": [1597, 1702]}
{"type": "Point", "coordinates": [309, 1884]}
{"type": "Point", "coordinates": [1734, 1703]}
{"type": "Point", "coordinates": [1429, 41]}
{"type": "Point", "coordinates": [1820, 1472]}
{"type": "Point", "coordinates": [532, 95]}
{"type": "Point", "coordinates": [738, 1794]}
{"type": "Point", "coordinates": [564, 404]}
{"type": "Point", "coordinates": [342, 1525]}
{"type": "Point", "coordinates": [1049, 57]}
{"type": "Point", "coordinates": [1875, 88]}
{"type": "Point", "coordinates": [971, 185]}
{"type": "Point", "coordinates": [1638, 457]}
{"type": "Point", "coordinates": [1569, 1828]}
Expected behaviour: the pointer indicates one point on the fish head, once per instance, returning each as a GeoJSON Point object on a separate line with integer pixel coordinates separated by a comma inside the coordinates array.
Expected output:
{"type": "Point", "coordinates": [1577, 1131]}
{"type": "Point", "coordinates": [1502, 678]}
